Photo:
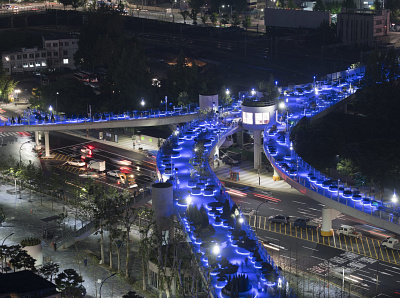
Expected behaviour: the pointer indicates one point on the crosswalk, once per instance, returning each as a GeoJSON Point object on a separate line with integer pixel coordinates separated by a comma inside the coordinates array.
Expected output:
{"type": "Point", "coordinates": [15, 134]}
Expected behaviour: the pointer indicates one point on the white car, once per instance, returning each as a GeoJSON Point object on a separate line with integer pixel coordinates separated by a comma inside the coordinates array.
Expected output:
{"type": "Point", "coordinates": [114, 173]}
{"type": "Point", "coordinates": [76, 163]}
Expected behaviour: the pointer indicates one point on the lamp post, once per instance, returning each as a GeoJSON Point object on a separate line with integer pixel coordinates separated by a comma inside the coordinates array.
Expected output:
{"type": "Point", "coordinates": [6, 238]}
{"type": "Point", "coordinates": [57, 102]}
{"type": "Point", "coordinates": [394, 201]}
{"type": "Point", "coordinates": [104, 281]}
{"type": "Point", "coordinates": [166, 105]}
{"type": "Point", "coordinates": [257, 212]}
{"type": "Point", "coordinates": [314, 82]}
{"type": "Point", "coordinates": [20, 159]}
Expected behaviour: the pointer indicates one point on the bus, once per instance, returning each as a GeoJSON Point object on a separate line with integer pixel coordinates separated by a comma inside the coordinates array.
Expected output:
{"type": "Point", "coordinates": [81, 77]}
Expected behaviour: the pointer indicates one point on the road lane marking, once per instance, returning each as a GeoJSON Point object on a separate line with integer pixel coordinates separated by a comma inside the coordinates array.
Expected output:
{"type": "Point", "coordinates": [311, 248]}
{"type": "Point", "coordinates": [299, 202]}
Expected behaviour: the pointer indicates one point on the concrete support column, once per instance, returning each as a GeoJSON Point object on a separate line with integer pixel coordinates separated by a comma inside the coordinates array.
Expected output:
{"type": "Point", "coordinates": [276, 176]}
{"type": "Point", "coordinates": [327, 215]}
{"type": "Point", "coordinates": [257, 149]}
{"type": "Point", "coordinates": [37, 147]}
{"type": "Point", "coordinates": [239, 137]}
{"type": "Point", "coordinates": [162, 197]}
{"type": "Point", "coordinates": [46, 144]}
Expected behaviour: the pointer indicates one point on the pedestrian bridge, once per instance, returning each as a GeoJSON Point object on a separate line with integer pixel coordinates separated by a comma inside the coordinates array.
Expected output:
{"type": "Point", "coordinates": [288, 165]}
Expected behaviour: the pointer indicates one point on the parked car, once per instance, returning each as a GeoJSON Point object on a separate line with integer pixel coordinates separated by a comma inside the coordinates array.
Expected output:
{"type": "Point", "coordinates": [115, 173]}
{"type": "Point", "coordinates": [76, 163]}
{"type": "Point", "coordinates": [306, 224]}
{"type": "Point", "coordinates": [280, 219]}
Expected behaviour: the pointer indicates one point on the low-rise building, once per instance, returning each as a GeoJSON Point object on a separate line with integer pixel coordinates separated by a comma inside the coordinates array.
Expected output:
{"type": "Point", "coordinates": [359, 27]}
{"type": "Point", "coordinates": [26, 284]}
{"type": "Point", "coordinates": [56, 53]}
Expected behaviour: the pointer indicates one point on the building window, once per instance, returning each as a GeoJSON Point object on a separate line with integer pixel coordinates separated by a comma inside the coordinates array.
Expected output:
{"type": "Point", "coordinates": [7, 70]}
{"type": "Point", "coordinates": [43, 55]}
{"type": "Point", "coordinates": [65, 61]}
{"type": "Point", "coordinates": [55, 44]}
{"type": "Point", "coordinates": [37, 55]}
{"type": "Point", "coordinates": [37, 64]}
{"type": "Point", "coordinates": [65, 53]}
{"type": "Point", "coordinates": [55, 53]}
{"type": "Point", "coordinates": [66, 43]}
{"type": "Point", "coordinates": [25, 64]}
{"type": "Point", "coordinates": [48, 45]}
{"type": "Point", "coordinates": [247, 118]}
{"type": "Point", "coordinates": [31, 64]}
{"type": "Point", "coordinates": [44, 63]}
{"type": "Point", "coordinates": [19, 57]}
{"type": "Point", "coordinates": [61, 44]}
{"type": "Point", "coordinates": [31, 56]}
{"type": "Point", "coordinates": [153, 279]}
{"type": "Point", "coordinates": [24, 56]}
{"type": "Point", "coordinates": [12, 57]}
{"type": "Point", "coordinates": [48, 54]}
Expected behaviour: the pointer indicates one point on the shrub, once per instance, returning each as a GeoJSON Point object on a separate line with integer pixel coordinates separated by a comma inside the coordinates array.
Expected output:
{"type": "Point", "coordinates": [30, 242]}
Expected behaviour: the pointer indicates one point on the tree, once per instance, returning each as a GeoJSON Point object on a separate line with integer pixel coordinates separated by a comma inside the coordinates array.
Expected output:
{"type": "Point", "coordinates": [377, 5]}
{"type": "Point", "coordinates": [235, 20]}
{"type": "Point", "coordinates": [204, 19]}
{"type": "Point", "coordinates": [66, 2]}
{"type": "Point", "coordinates": [68, 282]}
{"type": "Point", "coordinates": [319, 6]}
{"type": "Point", "coordinates": [224, 96]}
{"type": "Point", "coordinates": [193, 16]}
{"type": "Point", "coordinates": [269, 90]}
{"type": "Point", "coordinates": [184, 15]}
{"type": "Point", "coordinates": [214, 19]}
{"type": "Point", "coordinates": [247, 22]}
{"type": "Point", "coordinates": [23, 260]}
{"type": "Point", "coordinates": [346, 167]}
{"type": "Point", "coordinates": [183, 98]}
{"type": "Point", "coordinates": [224, 19]}
{"type": "Point", "coordinates": [48, 270]}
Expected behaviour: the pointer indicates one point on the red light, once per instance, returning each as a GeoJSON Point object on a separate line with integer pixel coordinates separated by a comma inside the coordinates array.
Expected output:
{"type": "Point", "coordinates": [90, 147]}
{"type": "Point", "coordinates": [266, 197]}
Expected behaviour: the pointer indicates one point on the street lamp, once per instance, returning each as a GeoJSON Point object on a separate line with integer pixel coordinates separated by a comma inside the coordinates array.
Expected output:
{"type": "Point", "coordinates": [314, 82]}
{"type": "Point", "coordinates": [57, 101]}
{"type": "Point", "coordinates": [256, 213]}
{"type": "Point", "coordinates": [166, 104]}
{"type": "Point", "coordinates": [50, 108]}
{"type": "Point", "coordinates": [6, 238]}
{"type": "Point", "coordinates": [142, 102]}
{"type": "Point", "coordinates": [394, 200]}
{"type": "Point", "coordinates": [20, 159]}
{"type": "Point", "coordinates": [227, 92]}
{"type": "Point", "coordinates": [104, 281]}
{"type": "Point", "coordinates": [253, 92]}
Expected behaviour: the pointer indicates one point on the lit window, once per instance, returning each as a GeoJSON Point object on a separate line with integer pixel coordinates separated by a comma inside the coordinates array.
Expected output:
{"type": "Point", "coordinates": [37, 63]}
{"type": "Point", "coordinates": [31, 64]}
{"type": "Point", "coordinates": [258, 117]}
{"type": "Point", "coordinates": [247, 118]}
{"type": "Point", "coordinates": [65, 61]}
{"type": "Point", "coordinates": [265, 118]}
{"type": "Point", "coordinates": [44, 63]}
{"type": "Point", "coordinates": [25, 64]}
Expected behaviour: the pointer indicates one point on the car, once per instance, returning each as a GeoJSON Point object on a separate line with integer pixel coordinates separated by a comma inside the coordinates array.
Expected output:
{"type": "Point", "coordinates": [76, 163]}
{"type": "Point", "coordinates": [280, 219]}
{"type": "Point", "coordinates": [114, 173]}
{"type": "Point", "coordinates": [121, 161]}
{"type": "Point", "coordinates": [150, 154]}
{"type": "Point", "coordinates": [305, 223]}
{"type": "Point", "coordinates": [86, 150]}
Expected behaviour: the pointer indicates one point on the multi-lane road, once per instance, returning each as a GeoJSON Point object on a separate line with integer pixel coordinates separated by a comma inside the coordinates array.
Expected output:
{"type": "Point", "coordinates": [369, 269]}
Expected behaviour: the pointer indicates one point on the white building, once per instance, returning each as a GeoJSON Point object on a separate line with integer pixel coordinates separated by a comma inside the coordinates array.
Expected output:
{"type": "Point", "coordinates": [57, 53]}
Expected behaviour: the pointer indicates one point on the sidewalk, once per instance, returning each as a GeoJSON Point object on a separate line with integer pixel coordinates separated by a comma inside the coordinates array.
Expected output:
{"type": "Point", "coordinates": [249, 176]}
{"type": "Point", "coordinates": [23, 219]}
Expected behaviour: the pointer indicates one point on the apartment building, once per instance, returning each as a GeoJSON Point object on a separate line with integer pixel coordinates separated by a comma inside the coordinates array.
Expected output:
{"type": "Point", "coordinates": [56, 53]}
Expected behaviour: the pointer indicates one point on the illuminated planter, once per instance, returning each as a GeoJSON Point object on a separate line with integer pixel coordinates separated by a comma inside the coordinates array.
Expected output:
{"type": "Point", "coordinates": [196, 191]}
{"type": "Point", "coordinates": [35, 251]}
{"type": "Point", "coordinates": [208, 191]}
{"type": "Point", "coordinates": [201, 185]}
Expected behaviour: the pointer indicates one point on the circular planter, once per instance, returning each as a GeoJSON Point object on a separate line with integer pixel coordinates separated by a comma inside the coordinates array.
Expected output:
{"type": "Point", "coordinates": [35, 252]}
{"type": "Point", "coordinates": [208, 191]}
{"type": "Point", "coordinates": [196, 191]}
{"type": "Point", "coordinates": [201, 185]}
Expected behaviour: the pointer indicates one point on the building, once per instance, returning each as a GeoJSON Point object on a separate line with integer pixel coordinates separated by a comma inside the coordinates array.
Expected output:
{"type": "Point", "coordinates": [293, 18]}
{"type": "Point", "coordinates": [56, 53]}
{"type": "Point", "coordinates": [26, 284]}
{"type": "Point", "coordinates": [363, 27]}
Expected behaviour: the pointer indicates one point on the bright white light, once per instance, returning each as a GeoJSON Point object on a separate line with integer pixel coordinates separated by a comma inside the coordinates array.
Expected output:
{"type": "Point", "coordinates": [253, 92]}
{"type": "Point", "coordinates": [216, 250]}
{"type": "Point", "coordinates": [189, 200]}
{"type": "Point", "coordinates": [227, 91]}
{"type": "Point", "coordinates": [394, 198]}
{"type": "Point", "coordinates": [17, 91]}
{"type": "Point", "coordinates": [316, 91]}
{"type": "Point", "coordinates": [142, 102]}
{"type": "Point", "coordinates": [50, 108]}
{"type": "Point", "coordinates": [279, 283]}
{"type": "Point", "coordinates": [241, 220]}
{"type": "Point", "coordinates": [282, 105]}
